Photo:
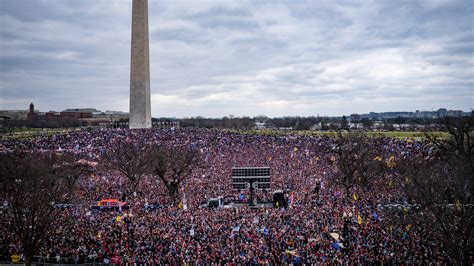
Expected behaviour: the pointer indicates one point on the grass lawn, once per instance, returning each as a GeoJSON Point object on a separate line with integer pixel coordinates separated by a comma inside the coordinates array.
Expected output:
{"type": "Point", "coordinates": [391, 134]}
{"type": "Point", "coordinates": [28, 133]}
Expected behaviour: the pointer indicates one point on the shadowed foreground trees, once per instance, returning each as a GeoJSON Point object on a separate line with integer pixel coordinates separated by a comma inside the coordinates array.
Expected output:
{"type": "Point", "coordinates": [358, 160]}
{"type": "Point", "coordinates": [437, 178]}
{"type": "Point", "coordinates": [31, 185]}
{"type": "Point", "coordinates": [440, 181]}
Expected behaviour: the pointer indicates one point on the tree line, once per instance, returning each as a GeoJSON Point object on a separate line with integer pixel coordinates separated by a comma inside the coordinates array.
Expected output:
{"type": "Point", "coordinates": [300, 123]}
{"type": "Point", "coordinates": [243, 123]}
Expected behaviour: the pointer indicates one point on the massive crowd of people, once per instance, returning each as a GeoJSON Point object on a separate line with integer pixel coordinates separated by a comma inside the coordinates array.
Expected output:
{"type": "Point", "coordinates": [321, 225]}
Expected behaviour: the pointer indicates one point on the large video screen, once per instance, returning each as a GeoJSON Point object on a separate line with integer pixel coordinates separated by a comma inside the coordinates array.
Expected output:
{"type": "Point", "coordinates": [243, 176]}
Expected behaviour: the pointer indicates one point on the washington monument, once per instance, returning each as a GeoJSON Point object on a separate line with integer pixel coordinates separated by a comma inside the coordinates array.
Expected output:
{"type": "Point", "coordinates": [140, 111]}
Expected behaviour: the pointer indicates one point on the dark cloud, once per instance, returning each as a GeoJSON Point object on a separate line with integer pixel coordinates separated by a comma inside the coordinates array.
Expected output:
{"type": "Point", "coordinates": [215, 58]}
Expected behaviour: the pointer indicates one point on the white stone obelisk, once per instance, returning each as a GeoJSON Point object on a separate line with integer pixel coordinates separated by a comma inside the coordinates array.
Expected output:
{"type": "Point", "coordinates": [140, 110]}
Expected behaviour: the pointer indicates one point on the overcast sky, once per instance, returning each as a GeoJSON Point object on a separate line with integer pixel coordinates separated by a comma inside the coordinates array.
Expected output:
{"type": "Point", "coordinates": [215, 58]}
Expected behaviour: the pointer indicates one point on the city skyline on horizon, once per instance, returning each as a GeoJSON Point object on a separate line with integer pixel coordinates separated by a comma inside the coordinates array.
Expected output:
{"type": "Point", "coordinates": [217, 58]}
{"type": "Point", "coordinates": [93, 110]}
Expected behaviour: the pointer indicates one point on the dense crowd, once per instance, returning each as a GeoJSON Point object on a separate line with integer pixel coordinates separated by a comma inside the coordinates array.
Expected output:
{"type": "Point", "coordinates": [321, 224]}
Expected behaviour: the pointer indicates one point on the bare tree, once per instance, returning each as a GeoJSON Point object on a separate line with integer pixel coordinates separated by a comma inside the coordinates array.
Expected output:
{"type": "Point", "coordinates": [358, 160]}
{"type": "Point", "coordinates": [355, 119]}
{"type": "Point", "coordinates": [173, 165]}
{"type": "Point", "coordinates": [31, 185]}
{"type": "Point", "coordinates": [400, 121]}
{"type": "Point", "coordinates": [130, 158]}
{"type": "Point", "coordinates": [367, 123]}
{"type": "Point", "coordinates": [440, 180]}
{"type": "Point", "coordinates": [344, 124]}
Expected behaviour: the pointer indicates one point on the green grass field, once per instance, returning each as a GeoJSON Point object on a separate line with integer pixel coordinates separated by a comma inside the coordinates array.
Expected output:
{"type": "Point", "coordinates": [28, 133]}
{"type": "Point", "coordinates": [391, 134]}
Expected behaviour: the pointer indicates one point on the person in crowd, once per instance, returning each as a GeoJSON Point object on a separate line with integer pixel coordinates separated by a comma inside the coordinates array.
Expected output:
{"type": "Point", "coordinates": [303, 233]}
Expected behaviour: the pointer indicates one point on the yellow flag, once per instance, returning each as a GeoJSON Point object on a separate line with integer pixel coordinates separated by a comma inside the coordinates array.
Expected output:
{"type": "Point", "coordinates": [118, 219]}
{"type": "Point", "coordinates": [180, 205]}
{"type": "Point", "coordinates": [391, 162]}
{"type": "Point", "coordinates": [295, 149]}
{"type": "Point", "coordinates": [458, 205]}
{"type": "Point", "coordinates": [354, 196]}
{"type": "Point", "coordinates": [359, 219]}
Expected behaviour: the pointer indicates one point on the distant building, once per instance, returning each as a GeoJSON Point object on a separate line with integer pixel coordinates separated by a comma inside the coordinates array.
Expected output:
{"type": "Point", "coordinates": [82, 110]}
{"type": "Point", "coordinates": [425, 114]}
{"type": "Point", "coordinates": [317, 126]}
{"type": "Point", "coordinates": [260, 125]}
{"type": "Point", "coordinates": [51, 115]}
{"type": "Point", "coordinates": [455, 113]}
{"type": "Point", "coordinates": [14, 114]}
{"type": "Point", "coordinates": [111, 116]}
{"type": "Point", "coordinates": [442, 112]}
{"type": "Point", "coordinates": [72, 117]}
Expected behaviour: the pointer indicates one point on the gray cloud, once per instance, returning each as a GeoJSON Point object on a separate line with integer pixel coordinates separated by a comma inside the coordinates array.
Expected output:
{"type": "Point", "coordinates": [215, 58]}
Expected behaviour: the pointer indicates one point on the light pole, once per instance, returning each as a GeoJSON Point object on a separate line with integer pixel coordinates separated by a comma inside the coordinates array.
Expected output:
{"type": "Point", "coordinates": [128, 220]}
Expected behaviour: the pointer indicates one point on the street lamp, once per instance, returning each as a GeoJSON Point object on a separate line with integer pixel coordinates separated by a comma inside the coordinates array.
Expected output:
{"type": "Point", "coordinates": [128, 220]}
